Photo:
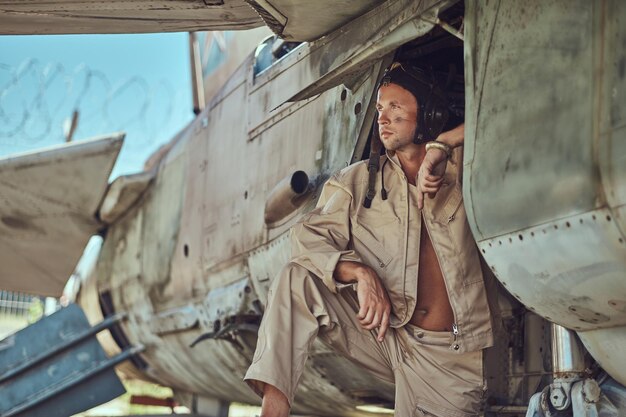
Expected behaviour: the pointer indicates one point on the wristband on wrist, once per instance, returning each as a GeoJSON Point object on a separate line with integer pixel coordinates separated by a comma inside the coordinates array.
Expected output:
{"type": "Point", "coordinates": [441, 146]}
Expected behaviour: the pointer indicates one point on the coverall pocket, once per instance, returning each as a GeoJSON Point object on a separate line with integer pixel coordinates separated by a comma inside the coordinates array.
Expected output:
{"type": "Point", "coordinates": [371, 245]}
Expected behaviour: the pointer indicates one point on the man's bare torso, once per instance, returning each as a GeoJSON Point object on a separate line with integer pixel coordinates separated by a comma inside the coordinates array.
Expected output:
{"type": "Point", "coordinates": [433, 310]}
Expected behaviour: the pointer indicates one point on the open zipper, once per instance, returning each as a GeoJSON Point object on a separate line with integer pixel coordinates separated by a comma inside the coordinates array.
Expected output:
{"type": "Point", "coordinates": [453, 215]}
{"type": "Point", "coordinates": [455, 327]}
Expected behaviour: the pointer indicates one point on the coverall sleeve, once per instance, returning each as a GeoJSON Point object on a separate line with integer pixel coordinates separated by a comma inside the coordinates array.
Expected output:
{"type": "Point", "coordinates": [321, 238]}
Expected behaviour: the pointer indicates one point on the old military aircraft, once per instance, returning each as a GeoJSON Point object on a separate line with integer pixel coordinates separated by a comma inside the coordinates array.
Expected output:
{"type": "Point", "coordinates": [191, 243]}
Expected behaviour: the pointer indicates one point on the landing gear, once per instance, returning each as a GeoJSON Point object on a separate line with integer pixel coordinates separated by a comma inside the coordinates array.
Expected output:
{"type": "Point", "coordinates": [574, 392]}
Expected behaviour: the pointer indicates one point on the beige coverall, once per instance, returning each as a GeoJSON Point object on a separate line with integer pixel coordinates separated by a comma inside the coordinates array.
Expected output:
{"type": "Point", "coordinates": [435, 373]}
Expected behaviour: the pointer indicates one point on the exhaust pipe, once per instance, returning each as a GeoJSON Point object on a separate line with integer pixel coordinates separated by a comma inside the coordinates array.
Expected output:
{"type": "Point", "coordinates": [288, 195]}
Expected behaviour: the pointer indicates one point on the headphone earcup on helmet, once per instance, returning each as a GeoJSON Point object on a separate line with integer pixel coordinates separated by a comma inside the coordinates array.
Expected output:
{"type": "Point", "coordinates": [435, 117]}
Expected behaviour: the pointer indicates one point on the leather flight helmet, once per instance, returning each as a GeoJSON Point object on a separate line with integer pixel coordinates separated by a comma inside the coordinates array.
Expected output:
{"type": "Point", "coordinates": [433, 110]}
{"type": "Point", "coordinates": [433, 113]}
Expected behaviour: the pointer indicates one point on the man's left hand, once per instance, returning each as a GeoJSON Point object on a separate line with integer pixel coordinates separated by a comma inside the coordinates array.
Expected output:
{"type": "Point", "coordinates": [430, 175]}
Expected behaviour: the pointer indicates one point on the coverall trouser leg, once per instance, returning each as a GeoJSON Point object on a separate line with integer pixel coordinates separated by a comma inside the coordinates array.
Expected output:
{"type": "Point", "coordinates": [430, 379]}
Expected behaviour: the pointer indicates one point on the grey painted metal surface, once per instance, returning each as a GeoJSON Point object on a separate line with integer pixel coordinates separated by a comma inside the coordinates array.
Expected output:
{"type": "Point", "coordinates": [56, 367]}
{"type": "Point", "coordinates": [46, 197]}
{"type": "Point", "coordinates": [607, 347]}
{"type": "Point", "coordinates": [544, 185]}
{"type": "Point", "coordinates": [576, 284]}
{"type": "Point", "coordinates": [529, 85]}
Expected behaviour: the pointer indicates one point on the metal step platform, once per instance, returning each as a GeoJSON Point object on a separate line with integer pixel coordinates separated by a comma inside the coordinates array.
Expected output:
{"type": "Point", "coordinates": [56, 367]}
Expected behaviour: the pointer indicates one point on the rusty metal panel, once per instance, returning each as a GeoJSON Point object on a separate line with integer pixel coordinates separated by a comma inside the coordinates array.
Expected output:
{"type": "Point", "coordinates": [162, 211]}
{"type": "Point", "coordinates": [119, 274]}
{"type": "Point", "coordinates": [187, 278]}
{"type": "Point", "coordinates": [48, 201]}
{"type": "Point", "coordinates": [225, 187]}
{"type": "Point", "coordinates": [214, 367]}
{"type": "Point", "coordinates": [281, 141]}
{"type": "Point", "coordinates": [232, 300]}
{"type": "Point", "coordinates": [124, 245]}
{"type": "Point", "coordinates": [174, 320]}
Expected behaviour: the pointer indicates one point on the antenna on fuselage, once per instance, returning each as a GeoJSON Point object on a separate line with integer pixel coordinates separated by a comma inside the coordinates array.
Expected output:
{"type": "Point", "coordinates": [197, 82]}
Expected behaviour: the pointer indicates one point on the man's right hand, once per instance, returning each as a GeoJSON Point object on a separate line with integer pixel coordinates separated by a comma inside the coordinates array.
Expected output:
{"type": "Point", "coordinates": [374, 304]}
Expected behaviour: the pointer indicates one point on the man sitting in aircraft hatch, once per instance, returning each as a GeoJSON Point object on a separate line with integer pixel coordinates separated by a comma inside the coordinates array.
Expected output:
{"type": "Point", "coordinates": [395, 288]}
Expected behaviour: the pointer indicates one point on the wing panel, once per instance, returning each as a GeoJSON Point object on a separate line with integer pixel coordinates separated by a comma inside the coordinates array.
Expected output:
{"type": "Point", "coordinates": [139, 16]}
{"type": "Point", "coordinates": [295, 20]}
{"type": "Point", "coordinates": [305, 20]}
{"type": "Point", "coordinates": [48, 201]}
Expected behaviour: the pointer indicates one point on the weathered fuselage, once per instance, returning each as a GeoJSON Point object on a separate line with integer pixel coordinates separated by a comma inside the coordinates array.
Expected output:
{"type": "Point", "coordinates": [544, 189]}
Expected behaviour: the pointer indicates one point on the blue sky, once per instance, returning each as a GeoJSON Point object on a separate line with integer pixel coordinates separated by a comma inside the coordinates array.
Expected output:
{"type": "Point", "coordinates": [139, 84]}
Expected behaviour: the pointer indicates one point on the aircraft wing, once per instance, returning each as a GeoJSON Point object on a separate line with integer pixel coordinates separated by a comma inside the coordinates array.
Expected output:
{"type": "Point", "coordinates": [297, 20]}
{"type": "Point", "coordinates": [306, 20]}
{"type": "Point", "coordinates": [47, 212]}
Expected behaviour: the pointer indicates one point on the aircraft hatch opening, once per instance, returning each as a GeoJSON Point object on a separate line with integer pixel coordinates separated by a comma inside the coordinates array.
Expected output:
{"type": "Point", "coordinates": [439, 53]}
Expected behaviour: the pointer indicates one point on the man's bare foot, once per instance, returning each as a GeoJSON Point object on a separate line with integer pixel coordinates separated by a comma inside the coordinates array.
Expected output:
{"type": "Point", "coordinates": [275, 404]}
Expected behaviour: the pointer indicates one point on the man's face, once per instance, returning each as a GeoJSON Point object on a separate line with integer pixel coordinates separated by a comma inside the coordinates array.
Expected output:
{"type": "Point", "coordinates": [397, 116]}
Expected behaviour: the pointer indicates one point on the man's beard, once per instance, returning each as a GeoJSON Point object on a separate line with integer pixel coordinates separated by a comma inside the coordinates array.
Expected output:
{"type": "Point", "coordinates": [395, 142]}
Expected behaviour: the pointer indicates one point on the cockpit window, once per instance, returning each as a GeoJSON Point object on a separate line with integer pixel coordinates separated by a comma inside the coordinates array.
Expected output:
{"type": "Point", "coordinates": [271, 50]}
